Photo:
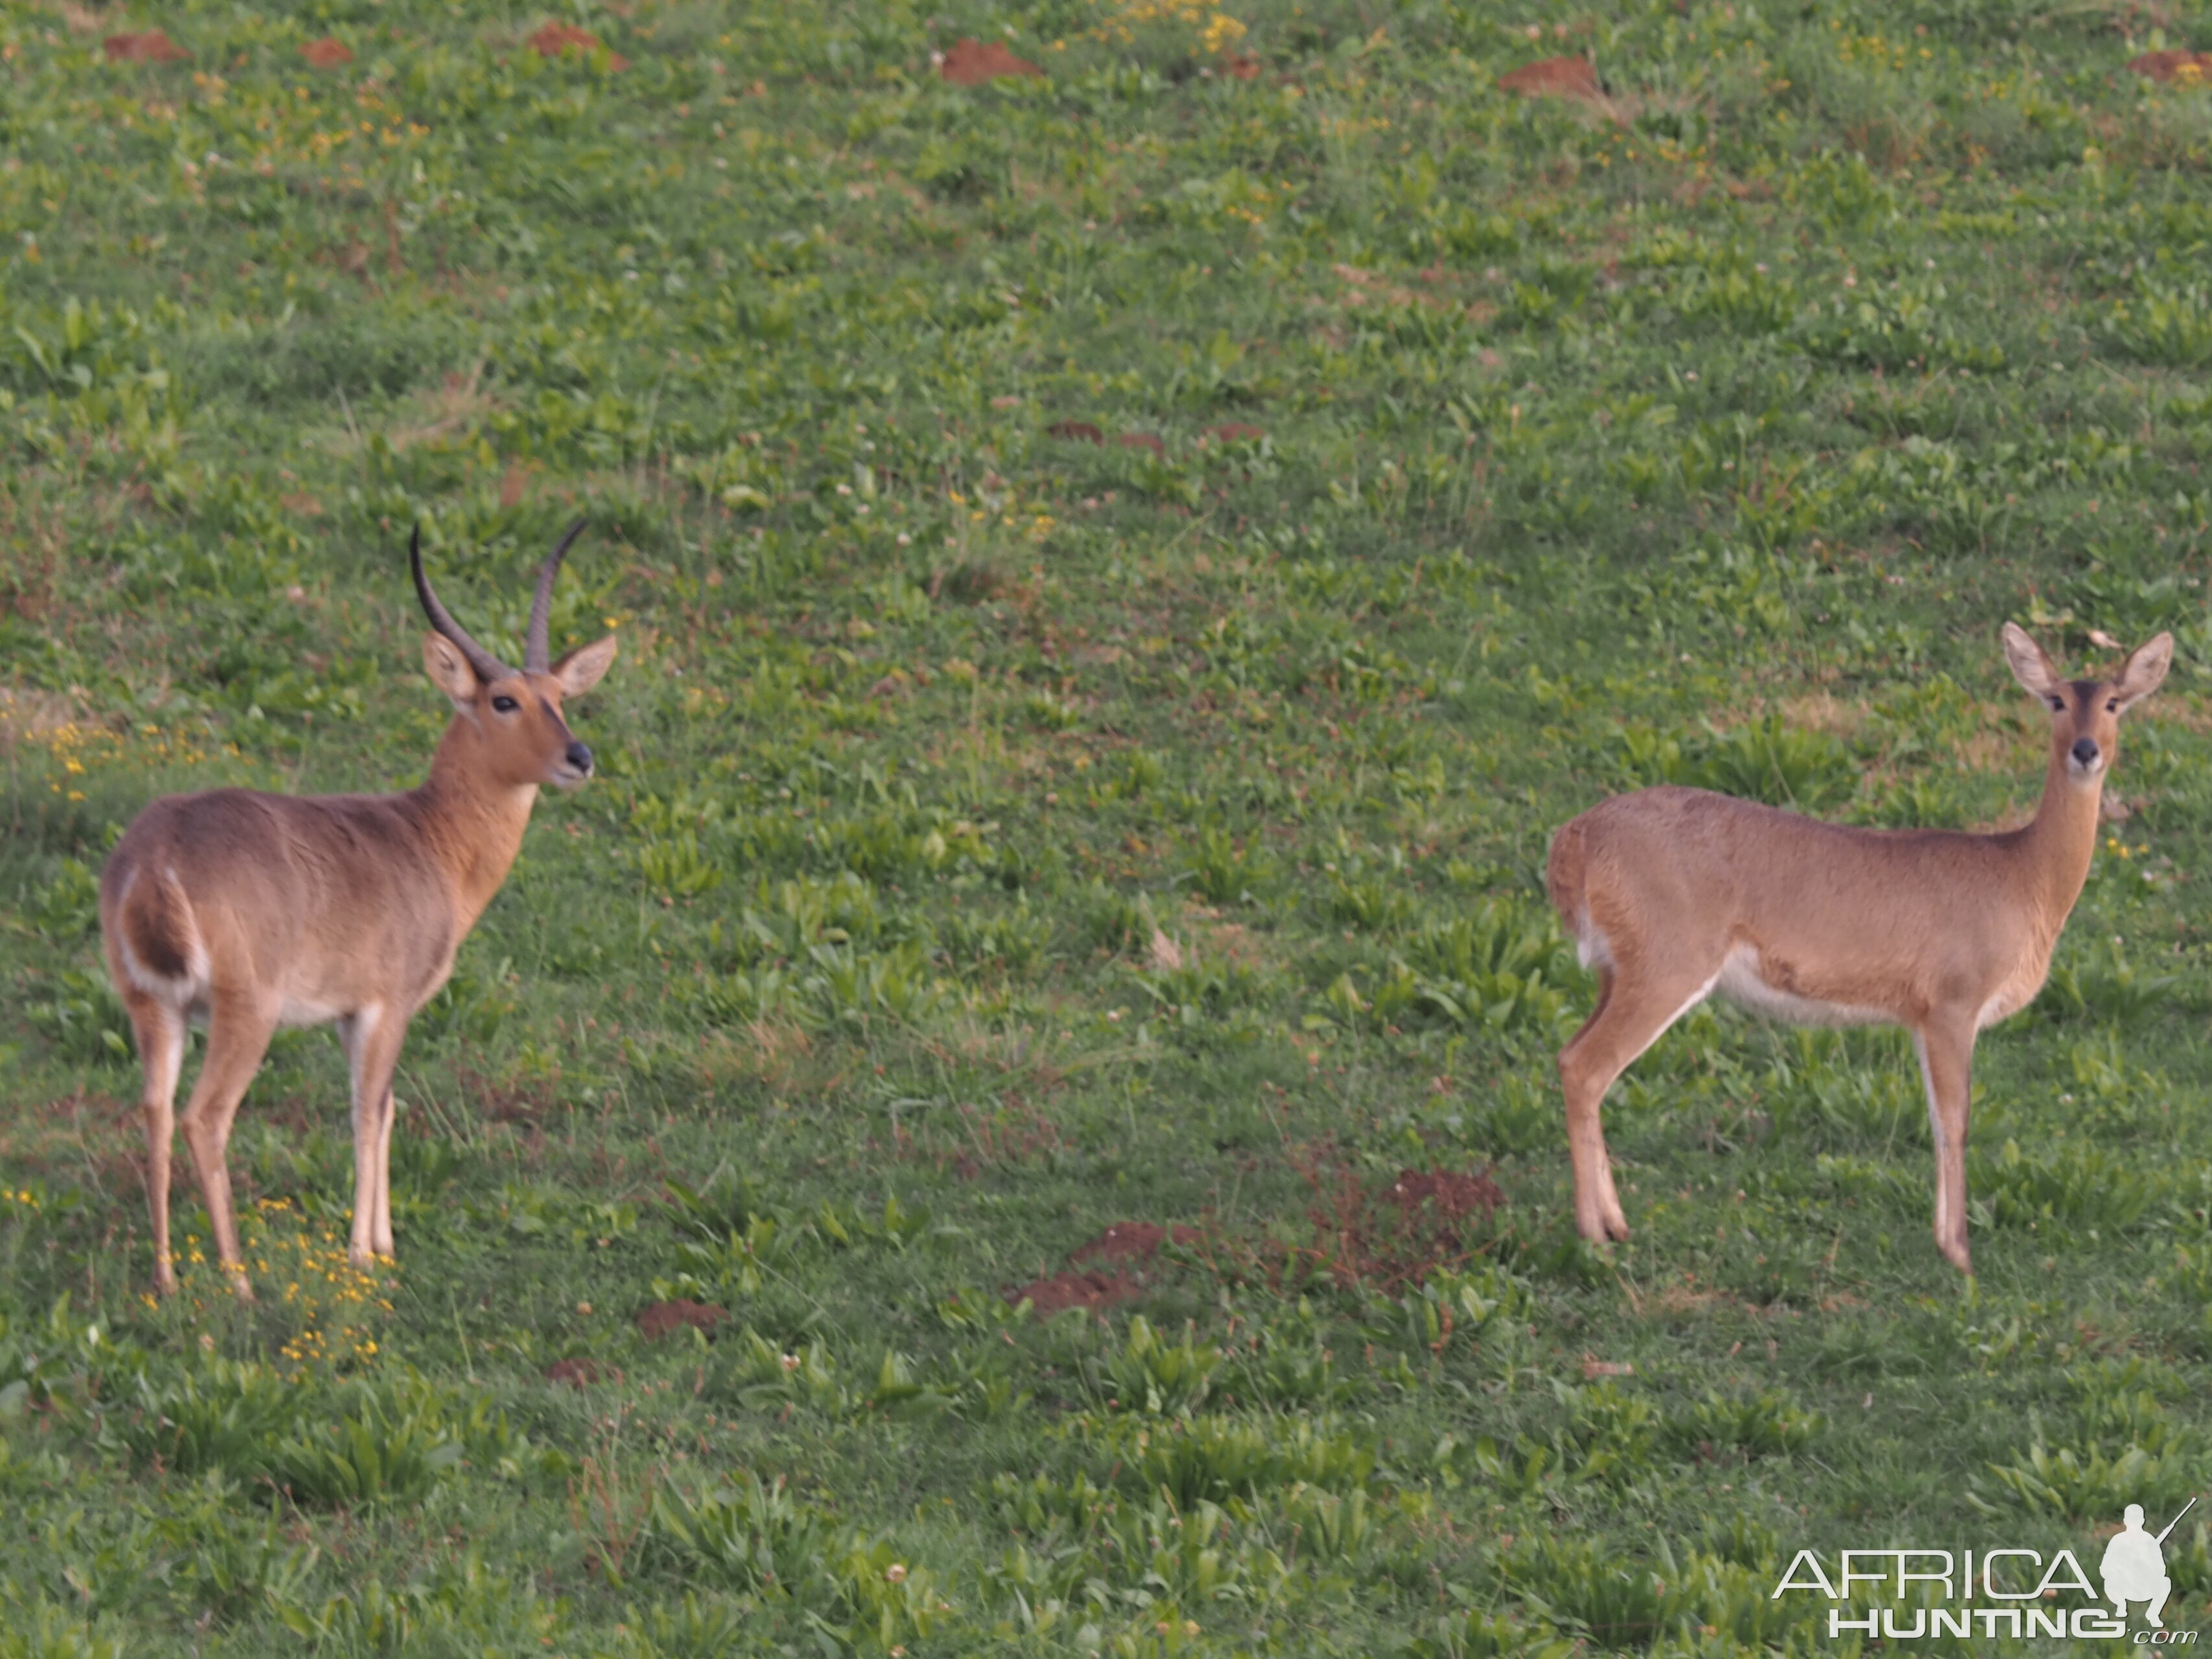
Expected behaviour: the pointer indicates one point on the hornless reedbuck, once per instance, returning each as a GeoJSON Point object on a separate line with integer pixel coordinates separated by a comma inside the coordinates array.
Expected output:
{"type": "Point", "coordinates": [1673, 894]}
{"type": "Point", "coordinates": [248, 911]}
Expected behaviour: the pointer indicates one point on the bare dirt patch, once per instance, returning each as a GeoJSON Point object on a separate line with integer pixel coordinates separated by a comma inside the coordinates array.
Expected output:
{"type": "Point", "coordinates": [1452, 1195]}
{"type": "Point", "coordinates": [2174, 63]}
{"type": "Point", "coordinates": [1120, 1254]}
{"type": "Point", "coordinates": [971, 63]}
{"type": "Point", "coordinates": [1133, 1241]}
{"type": "Point", "coordinates": [1389, 1236]}
{"type": "Point", "coordinates": [554, 38]}
{"type": "Point", "coordinates": [1048, 1297]}
{"type": "Point", "coordinates": [1386, 1236]}
{"type": "Point", "coordinates": [1084, 431]}
{"type": "Point", "coordinates": [1574, 79]}
{"type": "Point", "coordinates": [147, 46]}
{"type": "Point", "coordinates": [328, 52]}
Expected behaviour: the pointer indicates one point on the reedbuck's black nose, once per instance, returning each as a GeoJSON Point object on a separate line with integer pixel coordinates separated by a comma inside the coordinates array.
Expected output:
{"type": "Point", "coordinates": [581, 757]}
{"type": "Point", "coordinates": [2085, 751]}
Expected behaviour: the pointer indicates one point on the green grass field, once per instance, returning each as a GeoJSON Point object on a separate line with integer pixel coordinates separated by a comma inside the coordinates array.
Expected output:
{"type": "Point", "coordinates": [1120, 572]}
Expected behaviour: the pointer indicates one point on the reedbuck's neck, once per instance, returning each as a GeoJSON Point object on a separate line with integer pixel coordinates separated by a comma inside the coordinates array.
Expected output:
{"type": "Point", "coordinates": [2058, 842]}
{"type": "Point", "coordinates": [473, 821]}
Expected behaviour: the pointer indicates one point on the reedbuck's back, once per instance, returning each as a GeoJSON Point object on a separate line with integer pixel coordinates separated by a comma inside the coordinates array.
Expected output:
{"type": "Point", "coordinates": [1674, 893]}
{"type": "Point", "coordinates": [246, 911]}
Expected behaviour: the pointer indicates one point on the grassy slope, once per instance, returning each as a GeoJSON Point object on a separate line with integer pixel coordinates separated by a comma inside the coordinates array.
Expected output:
{"type": "Point", "coordinates": [1711, 442]}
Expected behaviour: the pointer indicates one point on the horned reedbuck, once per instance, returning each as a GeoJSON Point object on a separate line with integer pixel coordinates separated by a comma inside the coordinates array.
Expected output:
{"type": "Point", "coordinates": [248, 911]}
{"type": "Point", "coordinates": [1673, 894]}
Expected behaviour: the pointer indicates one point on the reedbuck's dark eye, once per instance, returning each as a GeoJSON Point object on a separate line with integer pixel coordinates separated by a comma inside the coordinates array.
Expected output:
{"type": "Point", "coordinates": [2058, 704]}
{"type": "Point", "coordinates": [505, 705]}
{"type": "Point", "coordinates": [2113, 706]}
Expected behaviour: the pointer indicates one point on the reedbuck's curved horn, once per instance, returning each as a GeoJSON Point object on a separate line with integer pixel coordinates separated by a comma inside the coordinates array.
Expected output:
{"type": "Point", "coordinates": [488, 667]}
{"type": "Point", "coordinates": [535, 650]}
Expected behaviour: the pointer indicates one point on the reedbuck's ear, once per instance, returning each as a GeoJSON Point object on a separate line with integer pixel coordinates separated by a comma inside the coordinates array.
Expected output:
{"type": "Point", "coordinates": [2033, 670]}
{"type": "Point", "coordinates": [2144, 671]}
{"type": "Point", "coordinates": [449, 671]}
{"type": "Point", "coordinates": [583, 668]}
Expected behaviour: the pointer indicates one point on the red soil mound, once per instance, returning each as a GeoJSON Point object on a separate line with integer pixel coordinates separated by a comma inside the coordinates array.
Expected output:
{"type": "Point", "coordinates": [1556, 77]}
{"type": "Point", "coordinates": [1131, 1240]}
{"type": "Point", "coordinates": [551, 41]}
{"type": "Point", "coordinates": [1121, 1250]}
{"type": "Point", "coordinates": [971, 63]}
{"type": "Point", "coordinates": [1572, 78]}
{"type": "Point", "coordinates": [148, 46]}
{"type": "Point", "coordinates": [2174, 63]}
{"type": "Point", "coordinates": [1048, 1297]}
{"type": "Point", "coordinates": [1453, 1194]}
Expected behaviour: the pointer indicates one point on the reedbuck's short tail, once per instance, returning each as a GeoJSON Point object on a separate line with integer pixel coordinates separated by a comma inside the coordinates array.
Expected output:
{"type": "Point", "coordinates": [1674, 893]}
{"type": "Point", "coordinates": [156, 940]}
{"type": "Point", "coordinates": [1564, 875]}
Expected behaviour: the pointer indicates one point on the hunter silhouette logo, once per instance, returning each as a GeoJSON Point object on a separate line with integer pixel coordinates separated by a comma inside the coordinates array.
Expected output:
{"type": "Point", "coordinates": [1999, 1592]}
{"type": "Point", "coordinates": [2134, 1568]}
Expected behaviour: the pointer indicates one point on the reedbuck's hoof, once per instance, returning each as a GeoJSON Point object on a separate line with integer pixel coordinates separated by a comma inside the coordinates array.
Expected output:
{"type": "Point", "coordinates": [1603, 1231]}
{"type": "Point", "coordinates": [241, 1286]}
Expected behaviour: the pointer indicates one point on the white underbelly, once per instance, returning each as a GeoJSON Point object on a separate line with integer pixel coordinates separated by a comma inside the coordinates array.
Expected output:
{"type": "Point", "coordinates": [1741, 984]}
{"type": "Point", "coordinates": [296, 1010]}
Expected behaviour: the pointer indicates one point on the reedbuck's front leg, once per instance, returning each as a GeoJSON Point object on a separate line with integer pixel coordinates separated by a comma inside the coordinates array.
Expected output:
{"type": "Point", "coordinates": [1945, 1043]}
{"type": "Point", "coordinates": [1633, 1011]}
{"type": "Point", "coordinates": [372, 1036]}
{"type": "Point", "coordinates": [240, 1026]}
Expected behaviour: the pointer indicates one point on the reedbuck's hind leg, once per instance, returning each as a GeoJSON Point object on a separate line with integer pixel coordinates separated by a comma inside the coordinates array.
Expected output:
{"type": "Point", "coordinates": [1632, 1010]}
{"type": "Point", "coordinates": [1947, 1059]}
{"type": "Point", "coordinates": [239, 1029]}
{"type": "Point", "coordinates": [159, 1030]}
